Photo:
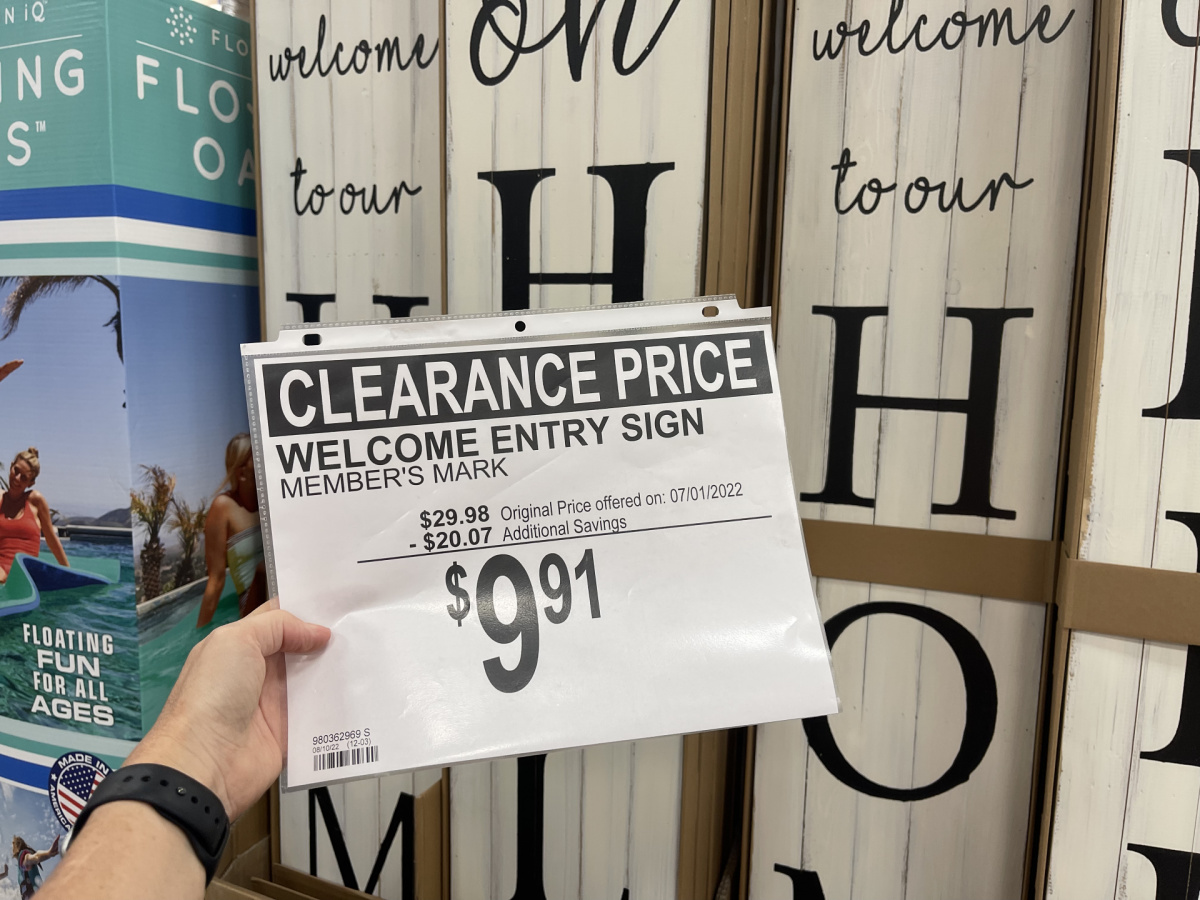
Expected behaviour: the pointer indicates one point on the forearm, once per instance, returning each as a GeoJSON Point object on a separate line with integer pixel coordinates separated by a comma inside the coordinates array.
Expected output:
{"type": "Point", "coordinates": [127, 852]}
{"type": "Point", "coordinates": [56, 546]}
{"type": "Point", "coordinates": [48, 532]}
{"type": "Point", "coordinates": [223, 725]}
{"type": "Point", "coordinates": [212, 596]}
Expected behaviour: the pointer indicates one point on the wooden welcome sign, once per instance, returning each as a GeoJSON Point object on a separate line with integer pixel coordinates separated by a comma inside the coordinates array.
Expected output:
{"type": "Point", "coordinates": [1123, 796]}
{"type": "Point", "coordinates": [929, 232]}
{"type": "Point", "coordinates": [349, 153]}
{"type": "Point", "coordinates": [575, 162]}
{"type": "Point", "coordinates": [349, 149]}
{"type": "Point", "coordinates": [487, 156]}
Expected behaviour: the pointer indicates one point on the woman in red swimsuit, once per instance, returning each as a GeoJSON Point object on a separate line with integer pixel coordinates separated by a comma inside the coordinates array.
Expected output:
{"type": "Point", "coordinates": [25, 515]}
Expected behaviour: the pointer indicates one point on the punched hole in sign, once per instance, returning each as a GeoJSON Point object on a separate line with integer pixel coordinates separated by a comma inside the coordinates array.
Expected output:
{"type": "Point", "coordinates": [312, 340]}
{"type": "Point", "coordinates": [520, 325]}
{"type": "Point", "coordinates": [710, 312]}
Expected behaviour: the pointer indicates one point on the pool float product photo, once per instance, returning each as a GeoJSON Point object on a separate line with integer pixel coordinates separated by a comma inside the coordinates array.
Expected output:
{"type": "Point", "coordinates": [33, 576]}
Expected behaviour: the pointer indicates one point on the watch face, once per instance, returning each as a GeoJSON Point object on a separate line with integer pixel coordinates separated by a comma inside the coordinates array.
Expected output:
{"type": "Point", "coordinates": [73, 777]}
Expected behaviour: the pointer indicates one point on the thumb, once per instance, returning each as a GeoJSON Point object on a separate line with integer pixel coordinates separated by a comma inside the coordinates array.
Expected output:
{"type": "Point", "coordinates": [278, 631]}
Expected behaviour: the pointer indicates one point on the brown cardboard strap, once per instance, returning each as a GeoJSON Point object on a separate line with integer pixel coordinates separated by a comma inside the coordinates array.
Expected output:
{"type": "Point", "coordinates": [317, 888]}
{"type": "Point", "coordinates": [223, 890]}
{"type": "Point", "coordinates": [427, 842]}
{"type": "Point", "coordinates": [701, 813]}
{"type": "Point", "coordinates": [1130, 601]}
{"type": "Point", "coordinates": [976, 564]}
{"type": "Point", "coordinates": [274, 891]}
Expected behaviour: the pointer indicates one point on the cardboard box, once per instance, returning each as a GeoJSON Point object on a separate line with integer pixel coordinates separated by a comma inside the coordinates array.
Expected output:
{"type": "Point", "coordinates": [128, 278]}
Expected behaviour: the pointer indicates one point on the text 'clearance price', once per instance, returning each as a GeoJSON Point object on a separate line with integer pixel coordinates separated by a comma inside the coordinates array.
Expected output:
{"type": "Point", "coordinates": [525, 624]}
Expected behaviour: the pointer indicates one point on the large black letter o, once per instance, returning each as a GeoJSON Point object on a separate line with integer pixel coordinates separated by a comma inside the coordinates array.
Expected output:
{"type": "Point", "coordinates": [1170, 20]}
{"type": "Point", "coordinates": [978, 679]}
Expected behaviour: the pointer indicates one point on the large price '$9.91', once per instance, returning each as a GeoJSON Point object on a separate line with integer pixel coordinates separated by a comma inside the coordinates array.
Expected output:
{"type": "Point", "coordinates": [555, 581]}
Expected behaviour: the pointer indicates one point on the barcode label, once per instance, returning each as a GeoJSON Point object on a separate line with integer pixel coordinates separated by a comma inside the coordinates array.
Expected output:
{"type": "Point", "coordinates": [339, 758]}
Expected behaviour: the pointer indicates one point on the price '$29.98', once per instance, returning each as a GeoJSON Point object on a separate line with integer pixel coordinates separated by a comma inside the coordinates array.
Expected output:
{"type": "Point", "coordinates": [525, 624]}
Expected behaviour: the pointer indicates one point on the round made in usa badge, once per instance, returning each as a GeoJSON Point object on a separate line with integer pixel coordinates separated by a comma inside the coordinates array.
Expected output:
{"type": "Point", "coordinates": [73, 777]}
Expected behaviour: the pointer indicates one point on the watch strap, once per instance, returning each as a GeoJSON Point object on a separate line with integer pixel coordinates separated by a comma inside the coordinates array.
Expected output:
{"type": "Point", "coordinates": [179, 799]}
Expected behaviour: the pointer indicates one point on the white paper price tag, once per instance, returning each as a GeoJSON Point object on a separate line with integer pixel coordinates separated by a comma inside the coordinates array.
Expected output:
{"type": "Point", "coordinates": [532, 531]}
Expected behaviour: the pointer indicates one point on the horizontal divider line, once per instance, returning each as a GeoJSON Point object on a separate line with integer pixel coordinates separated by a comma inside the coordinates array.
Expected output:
{"type": "Point", "coordinates": [569, 537]}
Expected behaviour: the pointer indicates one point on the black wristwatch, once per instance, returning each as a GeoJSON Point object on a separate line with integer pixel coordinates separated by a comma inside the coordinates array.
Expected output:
{"type": "Point", "coordinates": [174, 796]}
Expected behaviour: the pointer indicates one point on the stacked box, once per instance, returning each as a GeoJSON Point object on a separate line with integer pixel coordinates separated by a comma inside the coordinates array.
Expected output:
{"type": "Point", "coordinates": [1122, 793]}
{"type": "Point", "coordinates": [128, 272]}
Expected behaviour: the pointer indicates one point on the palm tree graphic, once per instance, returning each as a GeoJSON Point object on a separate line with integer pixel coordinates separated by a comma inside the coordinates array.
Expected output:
{"type": "Point", "coordinates": [28, 289]}
{"type": "Point", "coordinates": [151, 507]}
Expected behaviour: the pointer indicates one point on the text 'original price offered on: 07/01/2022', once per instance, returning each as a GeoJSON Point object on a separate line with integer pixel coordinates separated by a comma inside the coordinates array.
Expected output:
{"type": "Point", "coordinates": [554, 578]}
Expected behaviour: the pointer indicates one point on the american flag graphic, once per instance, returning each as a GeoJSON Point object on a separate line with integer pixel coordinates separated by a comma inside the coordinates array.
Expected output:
{"type": "Point", "coordinates": [75, 786]}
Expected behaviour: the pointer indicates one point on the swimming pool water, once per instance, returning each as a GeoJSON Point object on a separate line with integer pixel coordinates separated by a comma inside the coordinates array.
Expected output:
{"type": "Point", "coordinates": [168, 635]}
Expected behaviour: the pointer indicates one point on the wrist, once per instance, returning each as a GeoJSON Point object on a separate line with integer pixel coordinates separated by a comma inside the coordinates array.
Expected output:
{"type": "Point", "coordinates": [167, 749]}
{"type": "Point", "coordinates": [130, 851]}
{"type": "Point", "coordinates": [140, 824]}
{"type": "Point", "coordinates": [173, 795]}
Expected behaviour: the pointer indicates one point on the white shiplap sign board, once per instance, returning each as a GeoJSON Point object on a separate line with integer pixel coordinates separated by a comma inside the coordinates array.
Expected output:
{"type": "Point", "coordinates": [940, 408]}
{"type": "Point", "coordinates": [522, 131]}
{"type": "Point", "coordinates": [350, 145]}
{"type": "Point", "coordinates": [363, 122]}
{"type": "Point", "coordinates": [548, 121]}
{"type": "Point", "coordinates": [357, 822]}
{"type": "Point", "coordinates": [1127, 798]}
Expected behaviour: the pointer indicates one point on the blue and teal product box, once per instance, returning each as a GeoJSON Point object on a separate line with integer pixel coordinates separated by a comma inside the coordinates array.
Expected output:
{"type": "Point", "coordinates": [128, 280]}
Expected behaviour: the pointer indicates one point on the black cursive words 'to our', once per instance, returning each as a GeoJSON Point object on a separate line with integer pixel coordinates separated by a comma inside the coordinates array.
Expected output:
{"type": "Point", "coordinates": [918, 192]}
{"type": "Point", "coordinates": [351, 198]}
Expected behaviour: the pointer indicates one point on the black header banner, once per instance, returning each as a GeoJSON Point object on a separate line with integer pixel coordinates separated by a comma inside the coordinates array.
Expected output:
{"type": "Point", "coordinates": [524, 380]}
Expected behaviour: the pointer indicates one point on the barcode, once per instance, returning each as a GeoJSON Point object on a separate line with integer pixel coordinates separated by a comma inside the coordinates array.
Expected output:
{"type": "Point", "coordinates": [339, 758]}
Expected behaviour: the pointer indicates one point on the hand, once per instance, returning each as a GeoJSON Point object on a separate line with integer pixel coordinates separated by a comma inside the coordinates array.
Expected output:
{"type": "Point", "coordinates": [225, 722]}
{"type": "Point", "coordinates": [54, 847]}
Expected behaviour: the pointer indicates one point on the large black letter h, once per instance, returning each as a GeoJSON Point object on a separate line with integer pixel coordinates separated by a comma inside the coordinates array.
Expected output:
{"type": "Point", "coordinates": [630, 186]}
{"type": "Point", "coordinates": [975, 487]}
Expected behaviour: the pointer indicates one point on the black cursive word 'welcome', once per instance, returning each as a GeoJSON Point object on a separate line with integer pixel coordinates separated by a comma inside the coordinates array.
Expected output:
{"type": "Point", "coordinates": [955, 29]}
{"type": "Point", "coordinates": [576, 34]}
{"type": "Point", "coordinates": [386, 52]}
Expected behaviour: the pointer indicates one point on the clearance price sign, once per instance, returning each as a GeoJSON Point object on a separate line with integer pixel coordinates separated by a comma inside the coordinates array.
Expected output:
{"type": "Point", "coordinates": [532, 531]}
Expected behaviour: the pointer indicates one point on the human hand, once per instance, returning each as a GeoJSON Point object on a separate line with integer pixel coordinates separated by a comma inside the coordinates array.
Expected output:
{"type": "Point", "coordinates": [54, 847]}
{"type": "Point", "coordinates": [225, 722]}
